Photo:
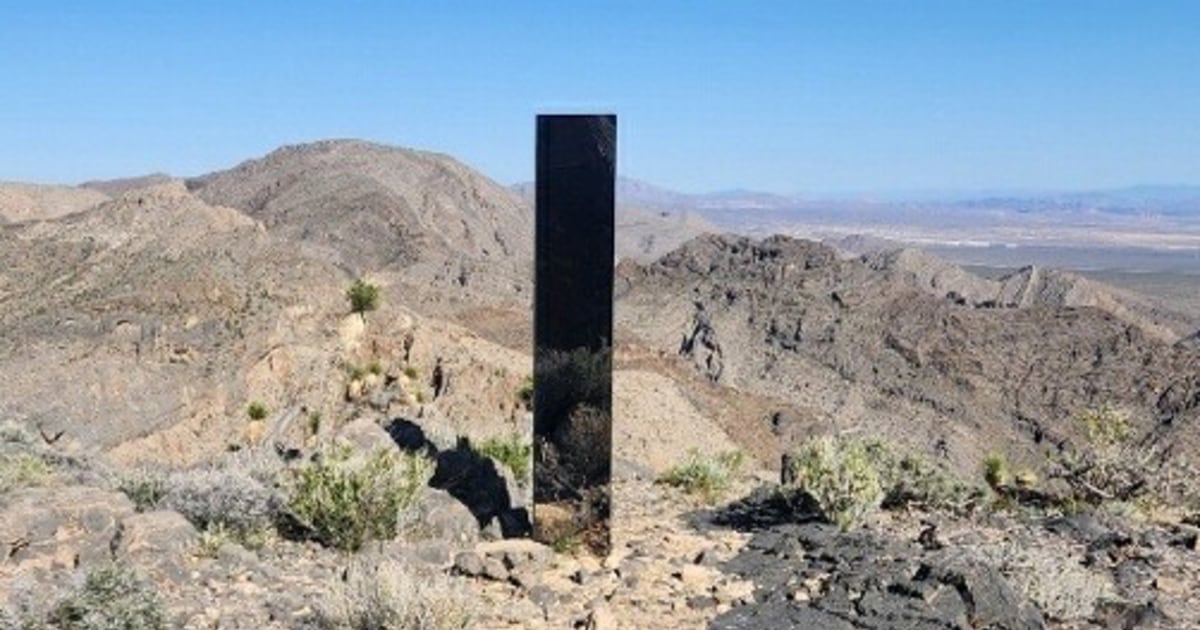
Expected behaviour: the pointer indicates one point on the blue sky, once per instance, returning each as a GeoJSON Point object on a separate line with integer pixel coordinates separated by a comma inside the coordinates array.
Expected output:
{"type": "Point", "coordinates": [797, 97]}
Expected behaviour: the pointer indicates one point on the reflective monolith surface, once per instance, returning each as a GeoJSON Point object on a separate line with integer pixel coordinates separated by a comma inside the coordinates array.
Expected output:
{"type": "Point", "coordinates": [573, 330]}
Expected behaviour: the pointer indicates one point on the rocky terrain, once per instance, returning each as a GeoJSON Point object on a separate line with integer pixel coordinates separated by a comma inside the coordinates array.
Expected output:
{"type": "Point", "coordinates": [949, 363]}
{"type": "Point", "coordinates": [179, 359]}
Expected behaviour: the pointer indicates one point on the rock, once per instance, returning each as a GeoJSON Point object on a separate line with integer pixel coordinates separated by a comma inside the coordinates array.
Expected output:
{"type": "Point", "coordinates": [517, 552]}
{"type": "Point", "coordinates": [159, 533]}
{"type": "Point", "coordinates": [365, 434]}
{"type": "Point", "coordinates": [254, 432]}
{"type": "Point", "coordinates": [543, 596]}
{"type": "Point", "coordinates": [59, 528]}
{"type": "Point", "coordinates": [842, 580]}
{"type": "Point", "coordinates": [694, 577]}
{"type": "Point", "coordinates": [468, 563]}
{"type": "Point", "coordinates": [438, 515]}
{"type": "Point", "coordinates": [1171, 585]}
{"type": "Point", "coordinates": [354, 390]}
{"type": "Point", "coordinates": [493, 569]}
{"type": "Point", "coordinates": [600, 618]}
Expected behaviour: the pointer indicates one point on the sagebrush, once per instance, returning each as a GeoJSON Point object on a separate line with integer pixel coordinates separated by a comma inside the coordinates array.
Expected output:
{"type": "Point", "coordinates": [344, 501]}
{"type": "Point", "coordinates": [705, 476]}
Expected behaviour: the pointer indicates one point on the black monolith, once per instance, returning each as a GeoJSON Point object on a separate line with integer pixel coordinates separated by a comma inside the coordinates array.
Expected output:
{"type": "Point", "coordinates": [576, 158]}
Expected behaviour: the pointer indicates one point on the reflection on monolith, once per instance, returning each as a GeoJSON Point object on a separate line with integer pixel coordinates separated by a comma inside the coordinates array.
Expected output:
{"type": "Point", "coordinates": [573, 330]}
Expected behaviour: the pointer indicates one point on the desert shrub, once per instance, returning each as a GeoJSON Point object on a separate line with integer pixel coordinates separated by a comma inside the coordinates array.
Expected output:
{"type": "Point", "coordinates": [256, 410]}
{"type": "Point", "coordinates": [411, 372]}
{"type": "Point", "coordinates": [995, 469]}
{"type": "Point", "coordinates": [584, 446]}
{"type": "Point", "coordinates": [380, 595]}
{"type": "Point", "coordinates": [146, 488]}
{"type": "Point", "coordinates": [524, 393]}
{"type": "Point", "coordinates": [363, 297]}
{"type": "Point", "coordinates": [909, 479]}
{"type": "Point", "coordinates": [314, 423]}
{"type": "Point", "coordinates": [12, 432]}
{"type": "Point", "coordinates": [839, 478]}
{"type": "Point", "coordinates": [375, 367]}
{"type": "Point", "coordinates": [512, 452]}
{"type": "Point", "coordinates": [1113, 465]}
{"type": "Point", "coordinates": [1106, 427]}
{"type": "Point", "coordinates": [231, 499]}
{"type": "Point", "coordinates": [569, 380]}
{"type": "Point", "coordinates": [111, 597]}
{"type": "Point", "coordinates": [706, 477]}
{"type": "Point", "coordinates": [344, 501]}
{"type": "Point", "coordinates": [23, 470]}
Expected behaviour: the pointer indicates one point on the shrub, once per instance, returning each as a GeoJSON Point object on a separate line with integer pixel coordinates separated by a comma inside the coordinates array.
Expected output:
{"type": "Point", "coordinates": [707, 477]}
{"type": "Point", "coordinates": [363, 296]}
{"type": "Point", "coordinates": [375, 367]}
{"type": "Point", "coordinates": [847, 479]}
{"type": "Point", "coordinates": [995, 469]}
{"type": "Point", "coordinates": [411, 372]}
{"type": "Point", "coordinates": [211, 497]}
{"type": "Point", "coordinates": [146, 488]}
{"type": "Point", "coordinates": [314, 423]}
{"type": "Point", "coordinates": [112, 597]}
{"type": "Point", "coordinates": [12, 432]}
{"type": "Point", "coordinates": [525, 391]}
{"type": "Point", "coordinates": [1113, 465]}
{"type": "Point", "coordinates": [512, 452]}
{"type": "Point", "coordinates": [217, 535]}
{"type": "Point", "coordinates": [840, 479]}
{"type": "Point", "coordinates": [1106, 427]}
{"type": "Point", "coordinates": [345, 501]}
{"type": "Point", "coordinates": [23, 470]}
{"type": "Point", "coordinates": [256, 410]}
{"type": "Point", "coordinates": [385, 595]}
{"type": "Point", "coordinates": [909, 479]}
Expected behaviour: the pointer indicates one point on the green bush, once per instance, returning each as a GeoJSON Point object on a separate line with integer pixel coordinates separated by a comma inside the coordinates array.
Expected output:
{"type": "Point", "coordinates": [840, 479]}
{"type": "Point", "coordinates": [847, 479]}
{"type": "Point", "coordinates": [345, 501]}
{"type": "Point", "coordinates": [411, 372]}
{"type": "Point", "coordinates": [23, 470]}
{"type": "Point", "coordinates": [146, 488]}
{"type": "Point", "coordinates": [363, 296]}
{"type": "Point", "coordinates": [112, 597]}
{"type": "Point", "coordinates": [256, 410]}
{"type": "Point", "coordinates": [512, 452]}
{"type": "Point", "coordinates": [525, 391]}
{"type": "Point", "coordinates": [1106, 427]}
{"type": "Point", "coordinates": [375, 367]}
{"type": "Point", "coordinates": [995, 469]}
{"type": "Point", "coordinates": [707, 477]}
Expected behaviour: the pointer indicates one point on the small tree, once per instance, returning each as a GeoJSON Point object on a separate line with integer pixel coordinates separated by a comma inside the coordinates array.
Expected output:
{"type": "Point", "coordinates": [363, 296]}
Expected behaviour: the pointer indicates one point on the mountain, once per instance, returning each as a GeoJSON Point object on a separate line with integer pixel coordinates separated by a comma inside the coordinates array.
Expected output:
{"type": "Point", "coordinates": [117, 187]}
{"type": "Point", "coordinates": [1032, 286]}
{"type": "Point", "coordinates": [375, 208]}
{"type": "Point", "coordinates": [27, 202]}
{"type": "Point", "coordinates": [870, 345]}
{"type": "Point", "coordinates": [650, 221]}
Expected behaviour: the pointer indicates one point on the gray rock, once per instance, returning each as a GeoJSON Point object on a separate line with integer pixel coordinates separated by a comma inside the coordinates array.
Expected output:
{"type": "Point", "coordinates": [468, 563]}
{"type": "Point", "coordinates": [494, 569]}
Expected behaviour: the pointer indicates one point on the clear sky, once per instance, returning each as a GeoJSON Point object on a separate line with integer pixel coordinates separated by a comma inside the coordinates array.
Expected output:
{"type": "Point", "coordinates": [789, 96]}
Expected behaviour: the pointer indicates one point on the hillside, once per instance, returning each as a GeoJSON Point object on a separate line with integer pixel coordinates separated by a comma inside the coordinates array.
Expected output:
{"type": "Point", "coordinates": [26, 202]}
{"type": "Point", "coordinates": [375, 208]}
{"type": "Point", "coordinates": [871, 348]}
